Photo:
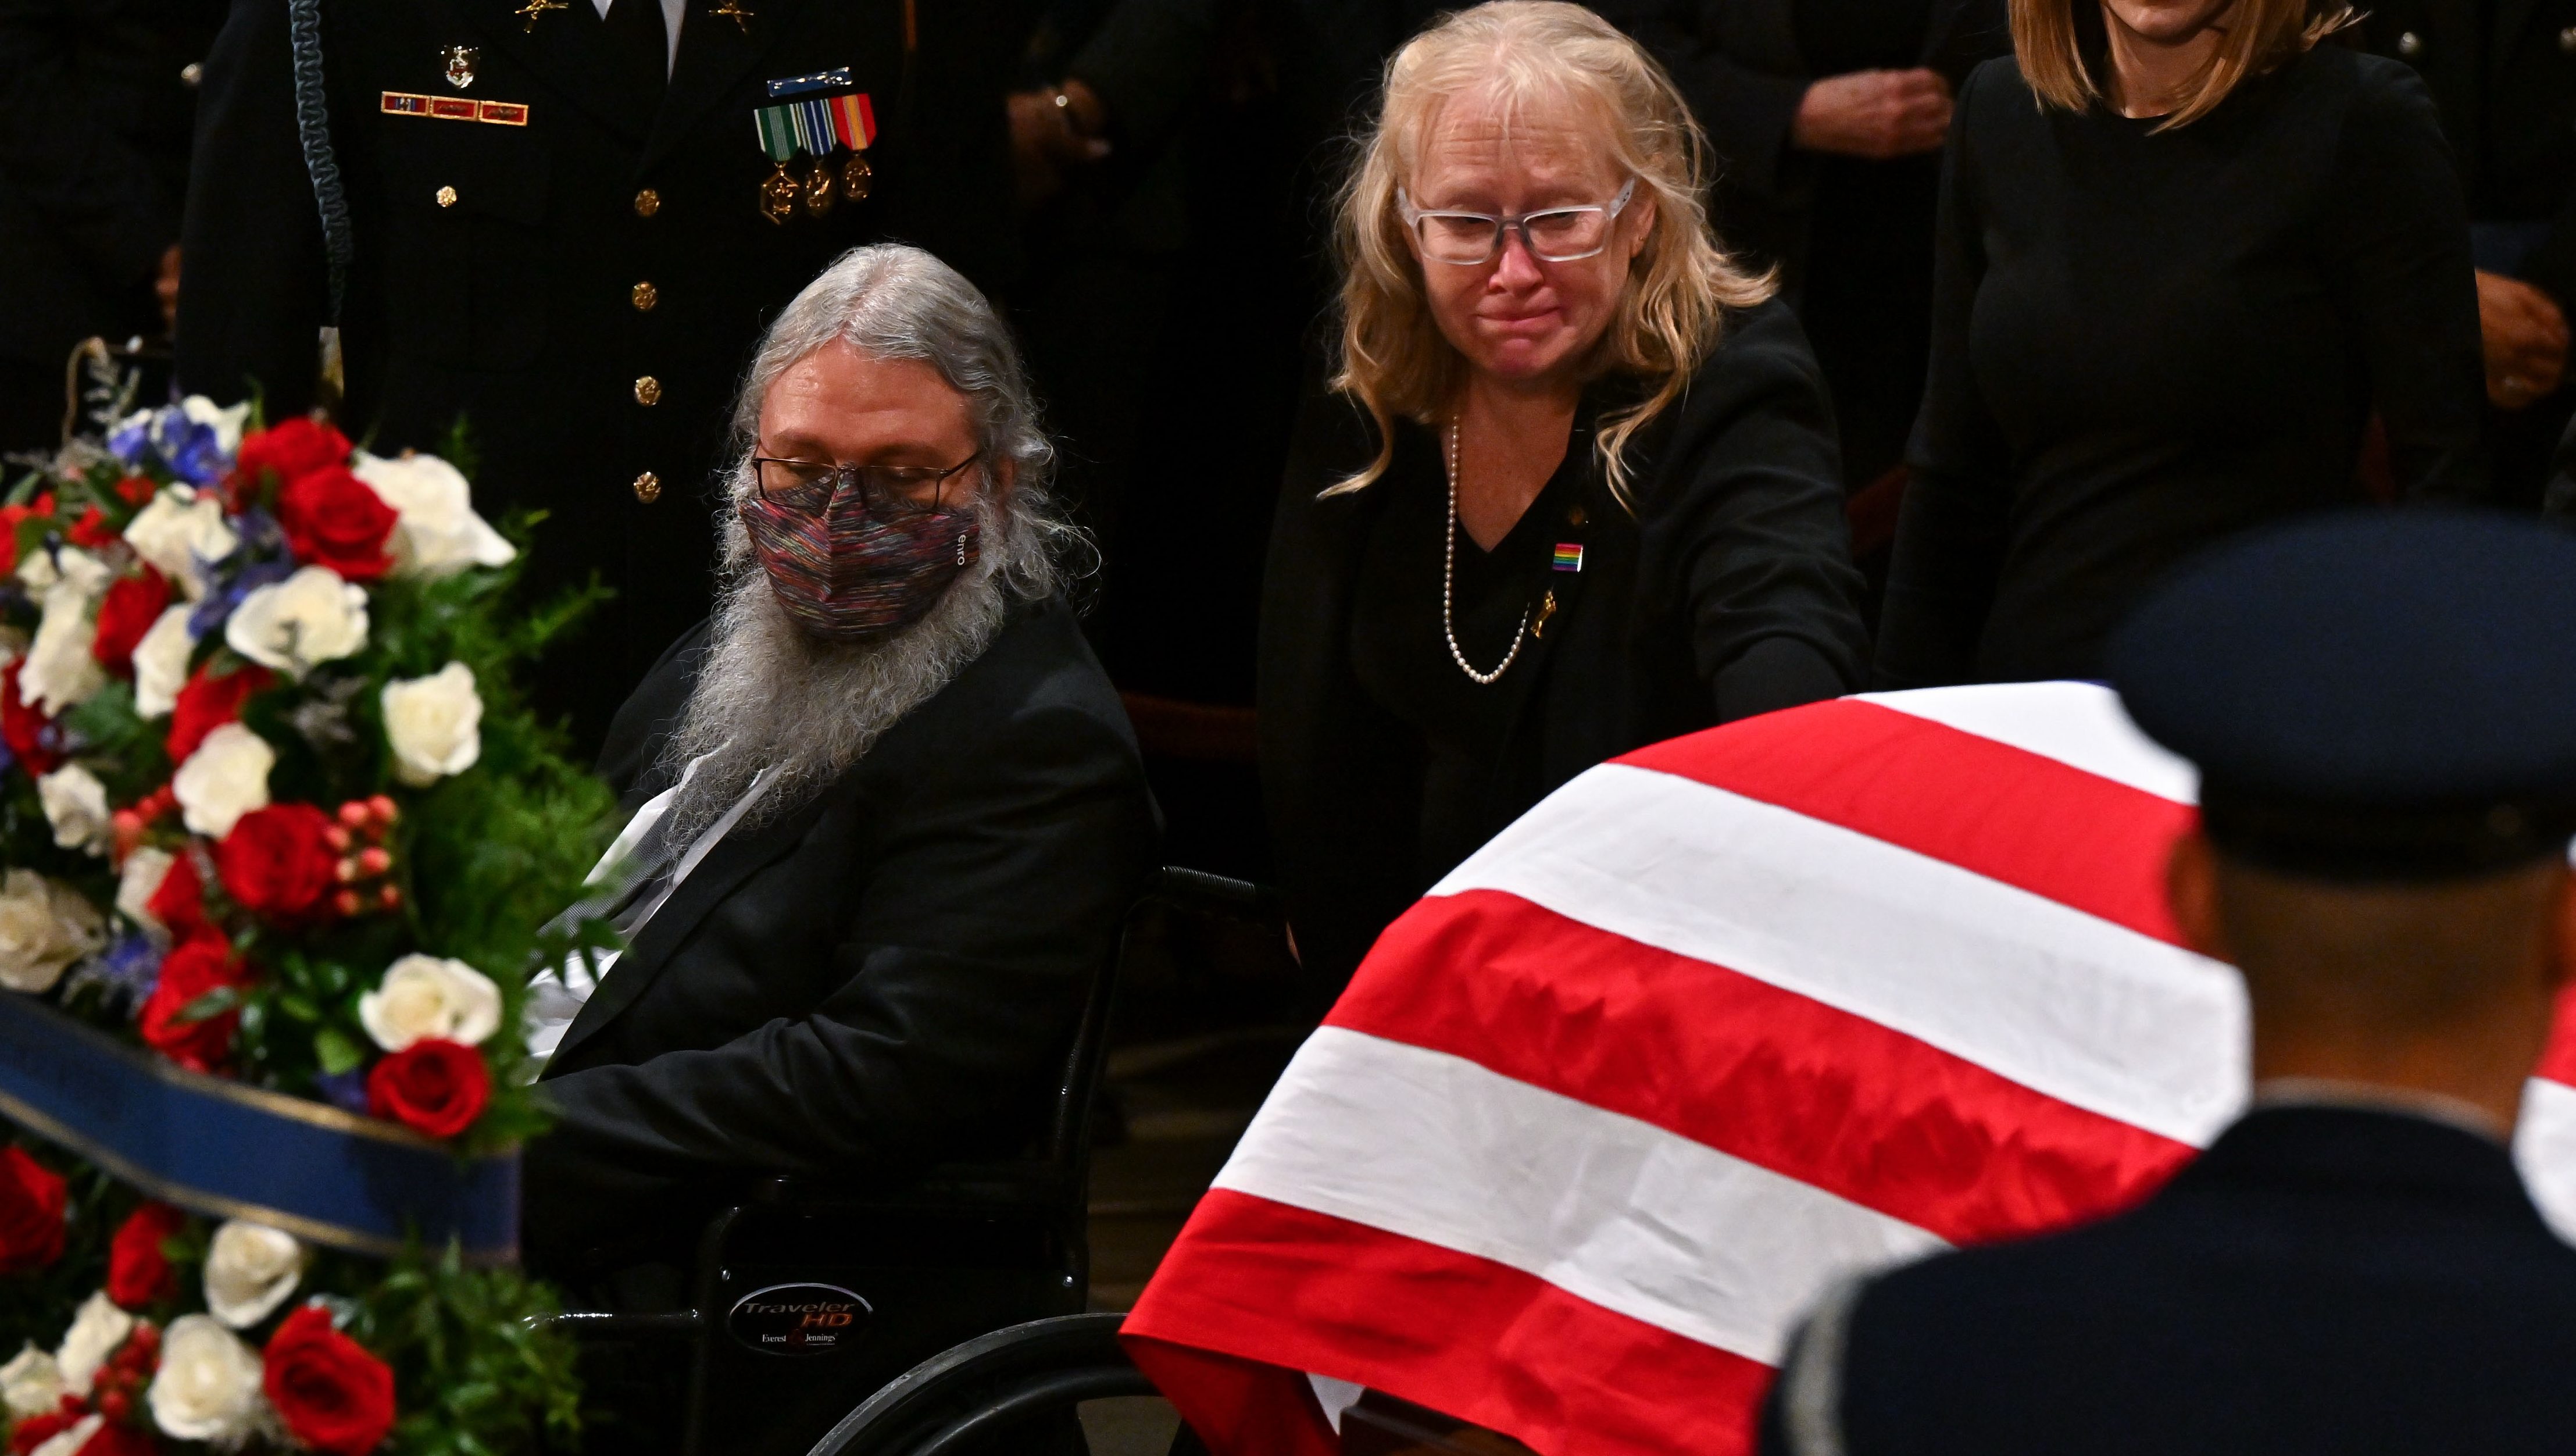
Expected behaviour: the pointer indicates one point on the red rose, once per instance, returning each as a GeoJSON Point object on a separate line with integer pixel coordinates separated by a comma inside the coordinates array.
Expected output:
{"type": "Point", "coordinates": [115, 1439]}
{"type": "Point", "coordinates": [138, 1273]}
{"type": "Point", "coordinates": [31, 1213]}
{"type": "Point", "coordinates": [207, 702]}
{"type": "Point", "coordinates": [433, 1086]}
{"type": "Point", "coordinates": [10, 518]}
{"type": "Point", "coordinates": [201, 964]}
{"type": "Point", "coordinates": [289, 453]}
{"type": "Point", "coordinates": [20, 722]}
{"type": "Point", "coordinates": [92, 531]}
{"type": "Point", "coordinates": [35, 1431]}
{"type": "Point", "coordinates": [332, 1394]}
{"type": "Point", "coordinates": [278, 861]}
{"type": "Point", "coordinates": [137, 490]}
{"type": "Point", "coordinates": [180, 903]}
{"type": "Point", "coordinates": [334, 519]}
{"type": "Point", "coordinates": [128, 611]}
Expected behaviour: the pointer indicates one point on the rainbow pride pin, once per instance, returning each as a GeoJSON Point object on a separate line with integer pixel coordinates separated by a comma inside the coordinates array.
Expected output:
{"type": "Point", "coordinates": [1569, 556]}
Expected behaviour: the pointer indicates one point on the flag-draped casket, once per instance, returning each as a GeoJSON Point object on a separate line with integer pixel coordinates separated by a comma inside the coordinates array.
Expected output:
{"type": "Point", "coordinates": [1715, 1024]}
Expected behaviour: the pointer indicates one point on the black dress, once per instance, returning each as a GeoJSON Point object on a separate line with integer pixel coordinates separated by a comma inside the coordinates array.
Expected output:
{"type": "Point", "coordinates": [2144, 341]}
{"type": "Point", "coordinates": [1727, 592]}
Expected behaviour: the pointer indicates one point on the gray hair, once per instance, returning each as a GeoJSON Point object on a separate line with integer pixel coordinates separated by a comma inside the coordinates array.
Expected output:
{"type": "Point", "coordinates": [771, 698]}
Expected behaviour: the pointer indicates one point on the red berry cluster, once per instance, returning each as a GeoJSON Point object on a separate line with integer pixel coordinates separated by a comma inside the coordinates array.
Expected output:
{"type": "Point", "coordinates": [120, 1382]}
{"type": "Point", "coordinates": [131, 823]}
{"type": "Point", "coordinates": [358, 837]}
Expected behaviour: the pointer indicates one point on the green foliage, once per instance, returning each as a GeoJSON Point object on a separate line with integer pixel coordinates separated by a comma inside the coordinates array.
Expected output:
{"type": "Point", "coordinates": [476, 1373]}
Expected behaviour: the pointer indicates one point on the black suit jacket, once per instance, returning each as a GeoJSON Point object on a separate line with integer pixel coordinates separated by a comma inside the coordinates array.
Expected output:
{"type": "Point", "coordinates": [1739, 65]}
{"type": "Point", "coordinates": [513, 304]}
{"type": "Point", "coordinates": [94, 119]}
{"type": "Point", "coordinates": [2508, 103]}
{"type": "Point", "coordinates": [884, 977]}
{"type": "Point", "coordinates": [1729, 592]}
{"type": "Point", "coordinates": [2324, 1280]}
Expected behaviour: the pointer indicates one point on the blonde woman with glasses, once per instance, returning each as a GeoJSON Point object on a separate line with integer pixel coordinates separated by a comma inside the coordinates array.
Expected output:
{"type": "Point", "coordinates": [2187, 249]}
{"type": "Point", "coordinates": [1574, 487]}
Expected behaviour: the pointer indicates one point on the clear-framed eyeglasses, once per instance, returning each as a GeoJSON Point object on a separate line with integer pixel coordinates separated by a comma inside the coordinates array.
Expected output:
{"type": "Point", "coordinates": [1552, 235]}
{"type": "Point", "coordinates": [890, 492]}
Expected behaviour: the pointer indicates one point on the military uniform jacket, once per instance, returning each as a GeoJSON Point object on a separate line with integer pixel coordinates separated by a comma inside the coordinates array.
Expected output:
{"type": "Point", "coordinates": [2504, 75]}
{"type": "Point", "coordinates": [2321, 1280]}
{"type": "Point", "coordinates": [579, 269]}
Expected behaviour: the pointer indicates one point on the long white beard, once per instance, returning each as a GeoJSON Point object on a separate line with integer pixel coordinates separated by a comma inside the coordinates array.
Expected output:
{"type": "Point", "coordinates": [769, 695]}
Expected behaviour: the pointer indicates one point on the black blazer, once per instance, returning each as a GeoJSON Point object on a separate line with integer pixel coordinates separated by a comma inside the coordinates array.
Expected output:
{"type": "Point", "coordinates": [1729, 592]}
{"type": "Point", "coordinates": [2508, 103]}
{"type": "Point", "coordinates": [94, 118]}
{"type": "Point", "coordinates": [2322, 1280]}
{"type": "Point", "coordinates": [883, 978]}
{"type": "Point", "coordinates": [514, 305]}
{"type": "Point", "coordinates": [1739, 65]}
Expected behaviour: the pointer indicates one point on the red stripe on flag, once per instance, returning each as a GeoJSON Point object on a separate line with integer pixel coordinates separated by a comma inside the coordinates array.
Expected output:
{"type": "Point", "coordinates": [2082, 840]}
{"type": "Point", "coordinates": [1775, 1078]}
{"type": "Point", "coordinates": [1477, 1340]}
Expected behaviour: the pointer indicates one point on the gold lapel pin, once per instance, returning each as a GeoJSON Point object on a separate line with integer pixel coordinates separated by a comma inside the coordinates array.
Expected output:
{"type": "Point", "coordinates": [735, 11]}
{"type": "Point", "coordinates": [535, 8]}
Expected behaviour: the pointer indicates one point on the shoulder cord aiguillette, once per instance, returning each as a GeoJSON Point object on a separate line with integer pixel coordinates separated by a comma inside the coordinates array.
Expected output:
{"type": "Point", "coordinates": [313, 129]}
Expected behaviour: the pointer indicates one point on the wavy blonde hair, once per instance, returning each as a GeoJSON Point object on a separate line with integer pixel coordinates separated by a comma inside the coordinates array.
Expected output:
{"type": "Point", "coordinates": [2051, 46]}
{"type": "Point", "coordinates": [1394, 359]}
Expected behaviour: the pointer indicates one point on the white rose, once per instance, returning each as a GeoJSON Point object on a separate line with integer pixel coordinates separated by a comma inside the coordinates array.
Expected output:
{"type": "Point", "coordinates": [228, 421]}
{"type": "Point", "coordinates": [439, 534]}
{"type": "Point", "coordinates": [95, 1333]}
{"type": "Point", "coordinates": [434, 724]}
{"type": "Point", "coordinates": [42, 571]}
{"type": "Point", "coordinates": [311, 617]}
{"type": "Point", "coordinates": [181, 533]}
{"type": "Point", "coordinates": [44, 927]}
{"type": "Point", "coordinates": [31, 1384]}
{"type": "Point", "coordinates": [424, 997]}
{"type": "Point", "coordinates": [60, 672]}
{"type": "Point", "coordinates": [70, 1441]}
{"type": "Point", "coordinates": [250, 1269]}
{"type": "Point", "coordinates": [144, 870]}
{"type": "Point", "coordinates": [161, 662]}
{"type": "Point", "coordinates": [224, 779]}
{"type": "Point", "coordinates": [76, 805]}
{"type": "Point", "coordinates": [208, 1386]}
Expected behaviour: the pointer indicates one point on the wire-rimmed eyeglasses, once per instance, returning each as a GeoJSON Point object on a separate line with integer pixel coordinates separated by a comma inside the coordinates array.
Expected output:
{"type": "Point", "coordinates": [890, 492]}
{"type": "Point", "coordinates": [1552, 235]}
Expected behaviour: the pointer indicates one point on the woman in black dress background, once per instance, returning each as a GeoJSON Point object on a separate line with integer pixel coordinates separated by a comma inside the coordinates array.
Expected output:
{"type": "Point", "coordinates": [1576, 489]}
{"type": "Point", "coordinates": [2186, 251]}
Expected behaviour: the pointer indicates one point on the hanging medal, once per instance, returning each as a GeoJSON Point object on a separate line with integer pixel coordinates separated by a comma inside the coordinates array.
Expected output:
{"type": "Point", "coordinates": [778, 140]}
{"type": "Point", "coordinates": [818, 127]}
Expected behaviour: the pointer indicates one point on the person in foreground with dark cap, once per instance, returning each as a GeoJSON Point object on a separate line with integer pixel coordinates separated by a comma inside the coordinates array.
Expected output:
{"type": "Point", "coordinates": [2383, 709]}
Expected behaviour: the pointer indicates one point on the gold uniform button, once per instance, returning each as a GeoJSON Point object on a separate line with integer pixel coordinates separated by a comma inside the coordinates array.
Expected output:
{"type": "Point", "coordinates": [446, 196]}
{"type": "Point", "coordinates": [647, 202]}
{"type": "Point", "coordinates": [648, 391]}
{"type": "Point", "coordinates": [645, 296]}
{"type": "Point", "coordinates": [648, 487]}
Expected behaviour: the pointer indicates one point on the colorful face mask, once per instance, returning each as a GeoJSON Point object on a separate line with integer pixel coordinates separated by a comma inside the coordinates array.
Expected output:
{"type": "Point", "coordinates": [851, 577]}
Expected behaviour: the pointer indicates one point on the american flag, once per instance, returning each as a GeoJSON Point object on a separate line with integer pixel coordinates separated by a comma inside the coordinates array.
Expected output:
{"type": "Point", "coordinates": [1715, 1024]}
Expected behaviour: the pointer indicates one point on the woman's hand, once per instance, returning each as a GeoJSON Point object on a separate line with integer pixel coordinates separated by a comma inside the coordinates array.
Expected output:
{"type": "Point", "coordinates": [1053, 133]}
{"type": "Point", "coordinates": [2525, 335]}
{"type": "Point", "coordinates": [1874, 114]}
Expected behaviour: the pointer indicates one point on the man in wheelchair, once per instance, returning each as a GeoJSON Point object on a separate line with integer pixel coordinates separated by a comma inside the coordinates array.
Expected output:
{"type": "Point", "coordinates": [887, 810]}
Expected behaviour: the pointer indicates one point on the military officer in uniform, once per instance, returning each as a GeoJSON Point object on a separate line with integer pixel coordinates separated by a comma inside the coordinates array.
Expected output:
{"type": "Point", "coordinates": [564, 223]}
{"type": "Point", "coordinates": [2503, 73]}
{"type": "Point", "coordinates": [2383, 709]}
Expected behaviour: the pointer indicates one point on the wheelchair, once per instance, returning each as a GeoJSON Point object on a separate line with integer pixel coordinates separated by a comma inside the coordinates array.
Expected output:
{"type": "Point", "coordinates": [806, 1300]}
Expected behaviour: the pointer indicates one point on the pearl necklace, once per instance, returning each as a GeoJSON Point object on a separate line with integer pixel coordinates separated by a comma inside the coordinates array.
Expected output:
{"type": "Point", "coordinates": [1448, 586]}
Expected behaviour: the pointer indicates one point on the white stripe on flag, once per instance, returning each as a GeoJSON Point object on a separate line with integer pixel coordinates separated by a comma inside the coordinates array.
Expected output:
{"type": "Point", "coordinates": [2078, 724]}
{"type": "Point", "coordinates": [1617, 1212]}
{"type": "Point", "coordinates": [2545, 1145]}
{"type": "Point", "coordinates": [2065, 1003]}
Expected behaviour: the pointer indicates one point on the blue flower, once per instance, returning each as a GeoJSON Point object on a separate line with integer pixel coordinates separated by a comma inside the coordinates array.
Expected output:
{"type": "Point", "coordinates": [128, 441]}
{"type": "Point", "coordinates": [344, 1090]}
{"type": "Point", "coordinates": [219, 603]}
{"type": "Point", "coordinates": [128, 969]}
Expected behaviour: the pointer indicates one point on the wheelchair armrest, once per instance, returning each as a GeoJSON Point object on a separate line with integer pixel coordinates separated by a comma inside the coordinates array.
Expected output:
{"type": "Point", "coordinates": [587, 1324]}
